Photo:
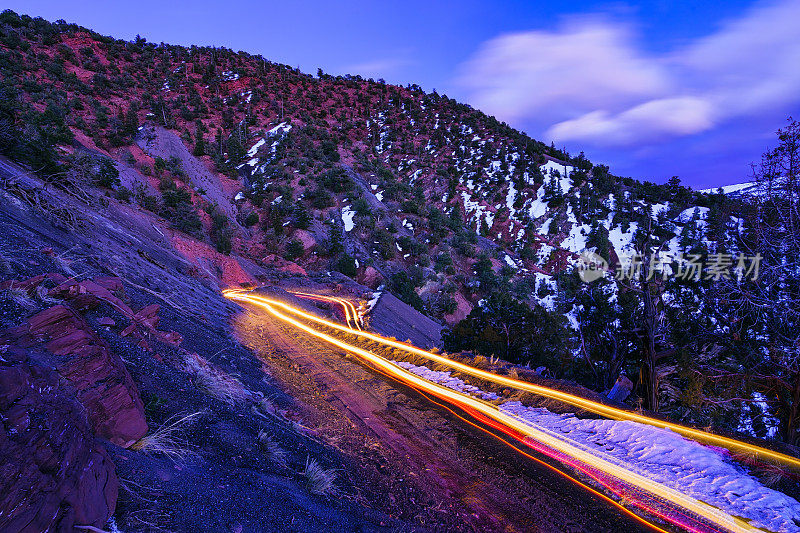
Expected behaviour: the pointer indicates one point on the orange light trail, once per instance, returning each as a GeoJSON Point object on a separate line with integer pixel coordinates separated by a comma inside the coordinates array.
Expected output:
{"type": "Point", "coordinates": [684, 511]}
{"type": "Point", "coordinates": [584, 486]}
{"type": "Point", "coordinates": [607, 411]}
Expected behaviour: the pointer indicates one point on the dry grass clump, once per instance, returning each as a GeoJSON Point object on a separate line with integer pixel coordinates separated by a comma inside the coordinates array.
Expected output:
{"type": "Point", "coordinates": [319, 480]}
{"type": "Point", "coordinates": [480, 362]}
{"type": "Point", "coordinates": [271, 447]}
{"type": "Point", "coordinates": [43, 296]}
{"type": "Point", "coordinates": [169, 439]}
{"type": "Point", "coordinates": [214, 381]}
{"type": "Point", "coordinates": [138, 509]}
{"type": "Point", "coordinates": [772, 474]}
{"type": "Point", "coordinates": [265, 408]}
{"type": "Point", "coordinates": [21, 298]}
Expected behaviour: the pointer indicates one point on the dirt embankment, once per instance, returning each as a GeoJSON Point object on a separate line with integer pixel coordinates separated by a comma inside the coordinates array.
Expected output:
{"type": "Point", "coordinates": [159, 142]}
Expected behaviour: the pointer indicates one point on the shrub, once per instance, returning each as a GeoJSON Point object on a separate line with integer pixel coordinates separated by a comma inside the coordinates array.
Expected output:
{"type": "Point", "coordinates": [186, 219]}
{"type": "Point", "coordinates": [107, 174]}
{"type": "Point", "coordinates": [346, 265]}
{"type": "Point", "coordinates": [293, 250]}
{"type": "Point", "coordinates": [148, 202]}
{"type": "Point", "coordinates": [319, 480]}
{"type": "Point", "coordinates": [123, 194]}
{"type": "Point", "coordinates": [251, 219]}
{"type": "Point", "coordinates": [320, 198]}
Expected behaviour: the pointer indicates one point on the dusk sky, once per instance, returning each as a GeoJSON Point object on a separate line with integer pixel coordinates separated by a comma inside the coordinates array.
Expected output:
{"type": "Point", "coordinates": [694, 89]}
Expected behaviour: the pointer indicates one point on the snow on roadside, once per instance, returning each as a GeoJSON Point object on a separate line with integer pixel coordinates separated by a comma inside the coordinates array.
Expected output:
{"type": "Point", "coordinates": [374, 301]}
{"type": "Point", "coordinates": [444, 378]}
{"type": "Point", "coordinates": [668, 458]}
{"type": "Point", "coordinates": [662, 455]}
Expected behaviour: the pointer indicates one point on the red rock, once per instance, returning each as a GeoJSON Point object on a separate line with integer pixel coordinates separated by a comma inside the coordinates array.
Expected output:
{"type": "Point", "coordinates": [128, 330]}
{"type": "Point", "coordinates": [284, 265]}
{"type": "Point", "coordinates": [107, 321]}
{"type": "Point", "coordinates": [87, 294]}
{"type": "Point", "coordinates": [53, 475]}
{"type": "Point", "coordinates": [23, 285]}
{"type": "Point", "coordinates": [109, 283]}
{"type": "Point", "coordinates": [370, 277]}
{"type": "Point", "coordinates": [101, 380]}
{"type": "Point", "coordinates": [306, 238]}
{"type": "Point", "coordinates": [148, 316]}
{"type": "Point", "coordinates": [172, 337]}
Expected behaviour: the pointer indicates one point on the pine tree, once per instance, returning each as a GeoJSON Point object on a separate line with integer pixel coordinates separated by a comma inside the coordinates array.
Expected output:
{"type": "Point", "coordinates": [200, 145]}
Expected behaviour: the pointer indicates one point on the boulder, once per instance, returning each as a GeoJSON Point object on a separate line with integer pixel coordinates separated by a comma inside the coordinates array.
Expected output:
{"type": "Point", "coordinates": [53, 475]}
{"type": "Point", "coordinates": [621, 390]}
{"type": "Point", "coordinates": [283, 265]}
{"type": "Point", "coordinates": [306, 238]}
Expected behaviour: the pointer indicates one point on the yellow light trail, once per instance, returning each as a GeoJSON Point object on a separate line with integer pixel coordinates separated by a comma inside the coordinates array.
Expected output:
{"type": "Point", "coordinates": [347, 305]}
{"type": "Point", "coordinates": [665, 494]}
{"type": "Point", "coordinates": [607, 411]}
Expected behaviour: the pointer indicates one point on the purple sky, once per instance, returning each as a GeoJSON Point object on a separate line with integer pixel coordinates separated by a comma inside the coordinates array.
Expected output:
{"type": "Point", "coordinates": [655, 89]}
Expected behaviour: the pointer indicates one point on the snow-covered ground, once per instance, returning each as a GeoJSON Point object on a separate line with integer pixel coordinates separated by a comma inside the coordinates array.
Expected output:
{"type": "Point", "coordinates": [374, 301]}
{"type": "Point", "coordinates": [728, 189]}
{"type": "Point", "coordinates": [705, 473]}
{"type": "Point", "coordinates": [701, 472]}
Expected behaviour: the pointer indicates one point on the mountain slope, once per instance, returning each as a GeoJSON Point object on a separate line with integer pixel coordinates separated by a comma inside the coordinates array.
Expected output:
{"type": "Point", "coordinates": [256, 163]}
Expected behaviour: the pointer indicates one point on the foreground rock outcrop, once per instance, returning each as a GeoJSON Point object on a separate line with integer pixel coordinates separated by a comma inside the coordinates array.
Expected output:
{"type": "Point", "coordinates": [62, 387]}
{"type": "Point", "coordinates": [53, 474]}
{"type": "Point", "coordinates": [101, 382]}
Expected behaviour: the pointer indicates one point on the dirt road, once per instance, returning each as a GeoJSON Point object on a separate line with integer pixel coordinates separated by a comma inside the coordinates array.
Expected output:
{"type": "Point", "coordinates": [425, 464]}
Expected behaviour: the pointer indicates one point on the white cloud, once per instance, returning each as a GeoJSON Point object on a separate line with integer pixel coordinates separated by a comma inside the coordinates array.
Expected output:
{"type": "Point", "coordinates": [647, 122]}
{"type": "Point", "coordinates": [749, 63]}
{"type": "Point", "coordinates": [590, 80]}
{"type": "Point", "coordinates": [582, 67]}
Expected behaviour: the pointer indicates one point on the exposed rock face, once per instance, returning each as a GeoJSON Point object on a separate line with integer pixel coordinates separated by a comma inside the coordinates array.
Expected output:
{"type": "Point", "coordinates": [394, 318]}
{"type": "Point", "coordinates": [283, 265]}
{"type": "Point", "coordinates": [53, 475]}
{"type": "Point", "coordinates": [371, 277]}
{"type": "Point", "coordinates": [101, 381]}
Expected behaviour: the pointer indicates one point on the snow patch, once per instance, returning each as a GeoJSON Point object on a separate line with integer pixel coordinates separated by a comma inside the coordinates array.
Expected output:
{"type": "Point", "coordinates": [444, 378]}
{"type": "Point", "coordinates": [347, 218]}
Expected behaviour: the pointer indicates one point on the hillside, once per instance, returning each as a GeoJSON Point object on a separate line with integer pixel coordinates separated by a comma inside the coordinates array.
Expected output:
{"type": "Point", "coordinates": [135, 174]}
{"type": "Point", "coordinates": [369, 178]}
